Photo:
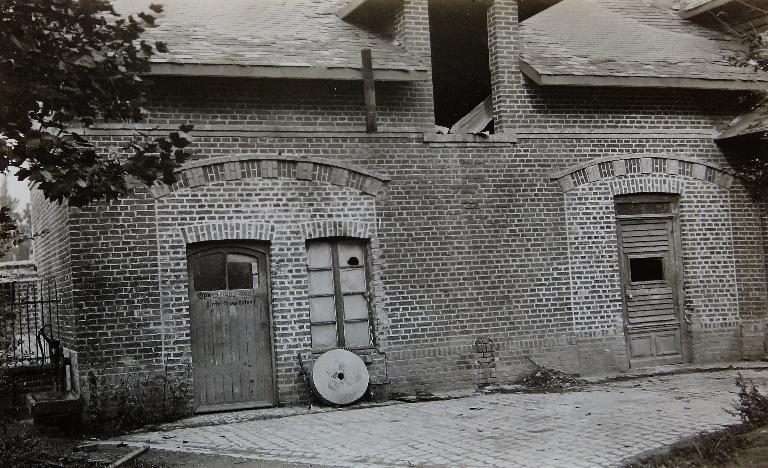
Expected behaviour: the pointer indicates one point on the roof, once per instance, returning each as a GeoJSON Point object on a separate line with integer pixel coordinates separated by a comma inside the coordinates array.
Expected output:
{"type": "Point", "coordinates": [269, 38]}
{"type": "Point", "coordinates": [629, 43]}
{"type": "Point", "coordinates": [690, 8]}
{"type": "Point", "coordinates": [754, 121]}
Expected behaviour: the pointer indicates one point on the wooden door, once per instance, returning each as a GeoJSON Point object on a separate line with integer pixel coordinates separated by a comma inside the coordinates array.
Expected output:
{"type": "Point", "coordinates": [650, 271]}
{"type": "Point", "coordinates": [230, 328]}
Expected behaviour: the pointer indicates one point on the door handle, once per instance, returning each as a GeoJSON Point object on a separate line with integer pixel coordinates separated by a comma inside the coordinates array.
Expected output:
{"type": "Point", "coordinates": [630, 296]}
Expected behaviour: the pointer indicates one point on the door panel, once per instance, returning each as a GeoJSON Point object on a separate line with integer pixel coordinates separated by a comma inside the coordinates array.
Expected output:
{"type": "Point", "coordinates": [230, 329]}
{"type": "Point", "coordinates": [649, 281]}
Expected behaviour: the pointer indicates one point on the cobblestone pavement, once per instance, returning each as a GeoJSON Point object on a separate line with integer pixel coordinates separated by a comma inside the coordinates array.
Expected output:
{"type": "Point", "coordinates": [598, 427]}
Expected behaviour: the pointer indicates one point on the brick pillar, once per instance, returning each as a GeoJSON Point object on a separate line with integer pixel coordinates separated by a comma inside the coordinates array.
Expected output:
{"type": "Point", "coordinates": [412, 31]}
{"type": "Point", "coordinates": [503, 50]}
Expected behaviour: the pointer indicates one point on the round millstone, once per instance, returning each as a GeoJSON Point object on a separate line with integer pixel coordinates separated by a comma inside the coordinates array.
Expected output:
{"type": "Point", "coordinates": [339, 377]}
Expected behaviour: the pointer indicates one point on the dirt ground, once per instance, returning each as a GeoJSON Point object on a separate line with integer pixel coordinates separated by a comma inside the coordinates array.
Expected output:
{"type": "Point", "coordinates": [751, 451]}
{"type": "Point", "coordinates": [53, 449]}
{"type": "Point", "coordinates": [748, 449]}
{"type": "Point", "coordinates": [754, 454]}
{"type": "Point", "coordinates": [727, 449]}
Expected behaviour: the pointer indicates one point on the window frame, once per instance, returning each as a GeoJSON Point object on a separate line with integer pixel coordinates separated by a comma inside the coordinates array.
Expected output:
{"type": "Point", "coordinates": [249, 249]}
{"type": "Point", "coordinates": [338, 295]}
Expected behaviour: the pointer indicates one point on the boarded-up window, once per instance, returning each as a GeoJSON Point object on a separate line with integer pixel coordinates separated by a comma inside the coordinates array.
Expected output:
{"type": "Point", "coordinates": [338, 294]}
{"type": "Point", "coordinates": [646, 269]}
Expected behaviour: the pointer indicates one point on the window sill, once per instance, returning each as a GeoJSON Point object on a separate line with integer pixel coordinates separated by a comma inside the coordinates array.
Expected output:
{"type": "Point", "coordinates": [495, 138]}
{"type": "Point", "coordinates": [366, 354]}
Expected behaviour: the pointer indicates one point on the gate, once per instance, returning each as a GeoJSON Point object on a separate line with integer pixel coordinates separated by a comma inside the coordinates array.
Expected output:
{"type": "Point", "coordinates": [29, 322]}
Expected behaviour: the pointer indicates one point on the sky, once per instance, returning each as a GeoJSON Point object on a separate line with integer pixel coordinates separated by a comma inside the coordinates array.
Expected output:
{"type": "Point", "coordinates": [17, 190]}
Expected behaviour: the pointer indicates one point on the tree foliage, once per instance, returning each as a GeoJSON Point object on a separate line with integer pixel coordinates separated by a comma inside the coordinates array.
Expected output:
{"type": "Point", "coordinates": [16, 223]}
{"type": "Point", "coordinates": [7, 229]}
{"type": "Point", "coordinates": [64, 64]}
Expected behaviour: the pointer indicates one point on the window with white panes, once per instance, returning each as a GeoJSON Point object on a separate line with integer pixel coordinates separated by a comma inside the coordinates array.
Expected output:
{"type": "Point", "coordinates": [339, 306]}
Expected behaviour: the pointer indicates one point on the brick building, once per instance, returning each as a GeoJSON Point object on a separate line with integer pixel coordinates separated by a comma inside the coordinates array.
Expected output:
{"type": "Point", "coordinates": [593, 227]}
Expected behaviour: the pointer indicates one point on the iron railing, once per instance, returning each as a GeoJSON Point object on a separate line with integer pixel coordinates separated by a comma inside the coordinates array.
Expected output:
{"type": "Point", "coordinates": [29, 321]}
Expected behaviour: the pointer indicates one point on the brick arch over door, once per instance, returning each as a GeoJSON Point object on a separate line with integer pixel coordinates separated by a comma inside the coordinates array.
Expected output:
{"type": "Point", "coordinates": [239, 167]}
{"type": "Point", "coordinates": [228, 230]}
{"type": "Point", "coordinates": [612, 168]}
{"type": "Point", "coordinates": [337, 228]}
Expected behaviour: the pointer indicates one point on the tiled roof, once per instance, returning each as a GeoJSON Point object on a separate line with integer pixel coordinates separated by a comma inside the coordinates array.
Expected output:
{"type": "Point", "coordinates": [578, 40]}
{"type": "Point", "coordinates": [266, 33]}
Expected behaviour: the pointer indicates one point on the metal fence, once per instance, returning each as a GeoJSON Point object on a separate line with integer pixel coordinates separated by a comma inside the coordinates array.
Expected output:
{"type": "Point", "coordinates": [29, 320]}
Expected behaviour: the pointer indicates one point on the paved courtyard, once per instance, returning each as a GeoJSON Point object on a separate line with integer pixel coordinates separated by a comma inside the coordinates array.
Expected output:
{"type": "Point", "coordinates": [598, 427]}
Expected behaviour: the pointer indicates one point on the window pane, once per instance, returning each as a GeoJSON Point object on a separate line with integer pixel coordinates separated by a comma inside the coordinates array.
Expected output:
{"type": "Point", "coordinates": [356, 335]}
{"type": "Point", "coordinates": [209, 272]}
{"type": "Point", "coordinates": [355, 307]}
{"type": "Point", "coordinates": [322, 309]}
{"type": "Point", "coordinates": [320, 282]}
{"type": "Point", "coordinates": [350, 254]}
{"type": "Point", "coordinates": [323, 337]}
{"type": "Point", "coordinates": [353, 280]}
{"type": "Point", "coordinates": [646, 269]}
{"type": "Point", "coordinates": [319, 255]}
{"type": "Point", "coordinates": [242, 272]}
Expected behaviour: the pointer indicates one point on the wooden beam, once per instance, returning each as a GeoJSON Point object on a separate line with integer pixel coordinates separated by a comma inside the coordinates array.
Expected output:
{"type": "Point", "coordinates": [477, 119]}
{"type": "Point", "coordinates": [369, 91]}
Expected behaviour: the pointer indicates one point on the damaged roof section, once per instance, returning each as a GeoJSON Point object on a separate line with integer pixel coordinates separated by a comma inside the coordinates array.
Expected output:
{"type": "Point", "coordinates": [738, 16]}
{"type": "Point", "coordinates": [375, 15]}
{"type": "Point", "coordinates": [269, 39]}
{"type": "Point", "coordinates": [755, 121]}
{"type": "Point", "coordinates": [691, 8]}
{"type": "Point", "coordinates": [629, 43]}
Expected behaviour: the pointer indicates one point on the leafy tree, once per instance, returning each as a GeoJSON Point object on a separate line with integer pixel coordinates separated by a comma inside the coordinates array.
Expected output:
{"type": "Point", "coordinates": [8, 234]}
{"type": "Point", "coordinates": [20, 224]}
{"type": "Point", "coordinates": [65, 64]}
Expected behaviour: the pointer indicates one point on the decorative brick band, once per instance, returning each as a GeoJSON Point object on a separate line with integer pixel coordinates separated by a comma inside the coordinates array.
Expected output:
{"type": "Point", "coordinates": [337, 228]}
{"type": "Point", "coordinates": [652, 183]}
{"type": "Point", "coordinates": [199, 173]}
{"type": "Point", "coordinates": [226, 230]}
{"type": "Point", "coordinates": [615, 167]}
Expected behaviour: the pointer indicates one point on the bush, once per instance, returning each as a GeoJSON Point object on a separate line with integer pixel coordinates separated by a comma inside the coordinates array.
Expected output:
{"type": "Point", "coordinates": [753, 405]}
{"type": "Point", "coordinates": [135, 401]}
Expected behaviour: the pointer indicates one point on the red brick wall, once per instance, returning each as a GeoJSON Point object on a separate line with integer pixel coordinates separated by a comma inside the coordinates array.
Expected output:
{"type": "Point", "coordinates": [115, 285]}
{"type": "Point", "coordinates": [301, 105]}
{"type": "Point", "coordinates": [472, 244]}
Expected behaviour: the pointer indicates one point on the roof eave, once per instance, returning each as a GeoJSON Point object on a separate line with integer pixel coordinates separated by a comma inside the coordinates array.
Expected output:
{"type": "Point", "coordinates": [728, 135]}
{"type": "Point", "coordinates": [637, 81]}
{"type": "Point", "coordinates": [262, 71]}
